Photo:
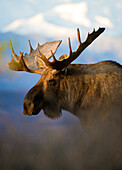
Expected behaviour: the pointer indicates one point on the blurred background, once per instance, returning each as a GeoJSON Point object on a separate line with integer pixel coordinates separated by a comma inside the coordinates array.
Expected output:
{"type": "Point", "coordinates": [37, 142]}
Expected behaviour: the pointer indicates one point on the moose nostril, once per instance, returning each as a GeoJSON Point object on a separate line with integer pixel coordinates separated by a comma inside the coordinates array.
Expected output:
{"type": "Point", "coordinates": [28, 108]}
{"type": "Point", "coordinates": [24, 106]}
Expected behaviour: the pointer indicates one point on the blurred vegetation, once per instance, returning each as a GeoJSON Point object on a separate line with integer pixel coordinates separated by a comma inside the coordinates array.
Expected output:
{"type": "Point", "coordinates": [58, 148]}
{"type": "Point", "coordinates": [3, 49]}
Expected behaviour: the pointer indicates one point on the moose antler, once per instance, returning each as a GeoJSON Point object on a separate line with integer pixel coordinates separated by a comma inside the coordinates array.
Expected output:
{"type": "Point", "coordinates": [60, 64]}
{"type": "Point", "coordinates": [31, 62]}
{"type": "Point", "coordinates": [38, 59]}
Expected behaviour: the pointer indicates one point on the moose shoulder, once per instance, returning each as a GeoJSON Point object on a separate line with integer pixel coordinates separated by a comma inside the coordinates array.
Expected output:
{"type": "Point", "coordinates": [92, 92]}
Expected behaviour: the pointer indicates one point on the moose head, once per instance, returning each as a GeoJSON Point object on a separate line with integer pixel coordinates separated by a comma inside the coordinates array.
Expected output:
{"type": "Point", "coordinates": [72, 87]}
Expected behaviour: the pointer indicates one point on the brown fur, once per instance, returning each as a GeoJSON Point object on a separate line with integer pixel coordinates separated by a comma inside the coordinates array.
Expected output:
{"type": "Point", "coordinates": [92, 92]}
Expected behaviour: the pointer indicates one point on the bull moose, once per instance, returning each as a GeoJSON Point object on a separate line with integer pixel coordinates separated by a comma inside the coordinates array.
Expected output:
{"type": "Point", "coordinates": [92, 92]}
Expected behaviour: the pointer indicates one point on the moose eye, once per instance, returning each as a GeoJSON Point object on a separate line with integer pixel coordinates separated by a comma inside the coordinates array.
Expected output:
{"type": "Point", "coordinates": [52, 82]}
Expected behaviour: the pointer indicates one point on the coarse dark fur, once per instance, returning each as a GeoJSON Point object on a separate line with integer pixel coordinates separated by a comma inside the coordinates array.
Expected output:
{"type": "Point", "coordinates": [90, 91]}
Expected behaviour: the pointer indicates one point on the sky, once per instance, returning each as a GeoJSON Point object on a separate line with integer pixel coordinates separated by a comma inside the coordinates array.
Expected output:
{"type": "Point", "coordinates": [35, 16]}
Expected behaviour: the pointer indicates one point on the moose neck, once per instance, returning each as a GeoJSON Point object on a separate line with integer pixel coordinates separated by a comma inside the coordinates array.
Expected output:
{"type": "Point", "coordinates": [88, 90]}
{"type": "Point", "coordinates": [73, 88]}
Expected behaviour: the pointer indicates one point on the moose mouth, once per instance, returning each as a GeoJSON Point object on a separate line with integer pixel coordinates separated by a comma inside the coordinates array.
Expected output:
{"type": "Point", "coordinates": [31, 109]}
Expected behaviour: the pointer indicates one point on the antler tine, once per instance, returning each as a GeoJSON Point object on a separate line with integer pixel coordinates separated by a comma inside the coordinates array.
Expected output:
{"type": "Point", "coordinates": [30, 46]}
{"type": "Point", "coordinates": [93, 29]}
{"type": "Point", "coordinates": [12, 60]}
{"type": "Point", "coordinates": [78, 34]}
{"type": "Point", "coordinates": [13, 53]}
{"type": "Point", "coordinates": [54, 59]}
{"type": "Point", "coordinates": [70, 49]}
{"type": "Point", "coordinates": [23, 65]}
{"type": "Point", "coordinates": [41, 55]}
{"type": "Point", "coordinates": [21, 53]}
